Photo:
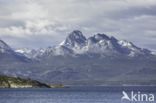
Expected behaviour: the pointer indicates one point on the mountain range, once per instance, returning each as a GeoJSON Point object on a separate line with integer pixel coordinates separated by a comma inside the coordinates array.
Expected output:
{"type": "Point", "coordinates": [97, 60]}
{"type": "Point", "coordinates": [99, 44]}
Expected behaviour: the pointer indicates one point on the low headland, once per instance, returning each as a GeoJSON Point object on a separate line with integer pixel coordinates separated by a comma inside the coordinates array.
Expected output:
{"type": "Point", "coordinates": [17, 82]}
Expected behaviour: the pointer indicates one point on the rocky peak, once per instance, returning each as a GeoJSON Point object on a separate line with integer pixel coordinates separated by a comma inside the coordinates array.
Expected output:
{"type": "Point", "coordinates": [75, 38]}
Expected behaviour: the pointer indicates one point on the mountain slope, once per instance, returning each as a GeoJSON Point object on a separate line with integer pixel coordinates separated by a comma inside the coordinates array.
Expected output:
{"type": "Point", "coordinates": [4, 48]}
{"type": "Point", "coordinates": [8, 55]}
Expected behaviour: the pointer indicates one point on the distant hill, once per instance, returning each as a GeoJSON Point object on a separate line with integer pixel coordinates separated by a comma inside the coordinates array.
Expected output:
{"type": "Point", "coordinates": [13, 82]}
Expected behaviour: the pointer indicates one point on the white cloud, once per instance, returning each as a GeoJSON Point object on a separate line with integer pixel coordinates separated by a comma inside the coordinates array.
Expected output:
{"type": "Point", "coordinates": [133, 20]}
{"type": "Point", "coordinates": [141, 2]}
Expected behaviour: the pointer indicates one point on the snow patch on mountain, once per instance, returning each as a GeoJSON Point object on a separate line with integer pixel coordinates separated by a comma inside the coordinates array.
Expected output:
{"type": "Point", "coordinates": [30, 53]}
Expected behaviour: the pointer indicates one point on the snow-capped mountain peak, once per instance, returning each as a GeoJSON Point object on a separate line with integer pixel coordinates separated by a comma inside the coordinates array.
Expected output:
{"type": "Point", "coordinates": [99, 37]}
{"type": "Point", "coordinates": [101, 44]}
{"type": "Point", "coordinates": [74, 39]}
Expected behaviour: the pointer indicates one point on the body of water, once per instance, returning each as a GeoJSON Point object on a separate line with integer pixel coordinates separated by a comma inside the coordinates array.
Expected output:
{"type": "Point", "coordinates": [73, 95]}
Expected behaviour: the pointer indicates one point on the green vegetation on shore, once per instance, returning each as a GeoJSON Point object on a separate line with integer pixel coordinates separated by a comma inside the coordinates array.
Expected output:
{"type": "Point", "coordinates": [16, 82]}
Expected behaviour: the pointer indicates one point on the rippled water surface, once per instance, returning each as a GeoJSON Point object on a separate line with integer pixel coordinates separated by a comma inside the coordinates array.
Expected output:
{"type": "Point", "coordinates": [70, 95]}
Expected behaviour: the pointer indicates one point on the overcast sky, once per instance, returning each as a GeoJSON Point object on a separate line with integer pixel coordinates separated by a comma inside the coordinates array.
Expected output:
{"type": "Point", "coordinates": [42, 23]}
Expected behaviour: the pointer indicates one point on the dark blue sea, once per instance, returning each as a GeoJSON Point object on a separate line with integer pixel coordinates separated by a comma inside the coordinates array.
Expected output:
{"type": "Point", "coordinates": [98, 94]}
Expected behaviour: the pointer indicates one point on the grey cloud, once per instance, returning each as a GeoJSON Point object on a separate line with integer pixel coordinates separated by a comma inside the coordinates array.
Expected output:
{"type": "Point", "coordinates": [133, 12]}
{"type": "Point", "coordinates": [50, 21]}
{"type": "Point", "coordinates": [37, 41]}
